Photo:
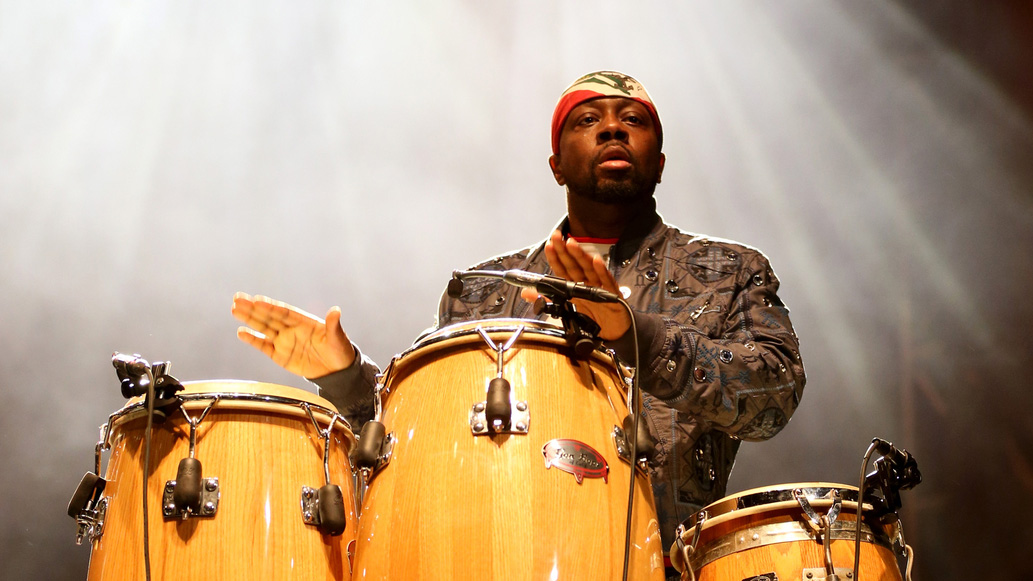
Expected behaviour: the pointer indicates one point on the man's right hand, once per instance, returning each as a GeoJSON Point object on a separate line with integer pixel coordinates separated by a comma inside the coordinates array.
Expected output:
{"type": "Point", "coordinates": [297, 341]}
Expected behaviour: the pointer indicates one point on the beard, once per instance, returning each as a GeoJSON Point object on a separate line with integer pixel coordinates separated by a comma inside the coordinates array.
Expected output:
{"type": "Point", "coordinates": [636, 186]}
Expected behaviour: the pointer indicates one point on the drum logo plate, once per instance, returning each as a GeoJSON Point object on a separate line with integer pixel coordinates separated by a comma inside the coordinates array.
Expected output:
{"type": "Point", "coordinates": [577, 458]}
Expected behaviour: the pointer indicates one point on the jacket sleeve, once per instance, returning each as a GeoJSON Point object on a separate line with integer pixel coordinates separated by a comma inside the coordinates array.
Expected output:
{"type": "Point", "coordinates": [351, 389]}
{"type": "Point", "coordinates": [729, 358]}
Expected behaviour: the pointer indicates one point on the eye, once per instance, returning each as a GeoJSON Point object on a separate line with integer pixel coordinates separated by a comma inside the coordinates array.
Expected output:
{"type": "Point", "coordinates": [587, 119]}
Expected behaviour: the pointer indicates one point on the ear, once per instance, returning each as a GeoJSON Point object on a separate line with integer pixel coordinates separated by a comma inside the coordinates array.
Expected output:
{"type": "Point", "coordinates": [660, 172]}
{"type": "Point", "coordinates": [557, 172]}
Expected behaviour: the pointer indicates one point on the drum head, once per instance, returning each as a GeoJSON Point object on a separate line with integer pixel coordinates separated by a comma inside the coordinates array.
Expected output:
{"type": "Point", "coordinates": [254, 396]}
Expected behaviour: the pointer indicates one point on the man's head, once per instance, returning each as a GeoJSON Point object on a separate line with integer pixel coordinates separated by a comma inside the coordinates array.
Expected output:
{"type": "Point", "coordinates": [606, 139]}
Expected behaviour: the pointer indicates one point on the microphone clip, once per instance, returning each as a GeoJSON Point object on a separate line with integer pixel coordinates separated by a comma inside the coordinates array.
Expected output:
{"type": "Point", "coordinates": [581, 331]}
{"type": "Point", "coordinates": [135, 375]}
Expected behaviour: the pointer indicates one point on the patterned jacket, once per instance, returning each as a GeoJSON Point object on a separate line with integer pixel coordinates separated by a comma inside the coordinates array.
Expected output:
{"type": "Point", "coordinates": [719, 361]}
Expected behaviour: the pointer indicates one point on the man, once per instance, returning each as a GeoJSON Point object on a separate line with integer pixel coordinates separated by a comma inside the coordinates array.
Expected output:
{"type": "Point", "coordinates": [719, 358]}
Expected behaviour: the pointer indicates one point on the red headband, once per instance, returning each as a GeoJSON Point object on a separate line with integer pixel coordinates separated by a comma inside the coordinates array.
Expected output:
{"type": "Point", "coordinates": [594, 86]}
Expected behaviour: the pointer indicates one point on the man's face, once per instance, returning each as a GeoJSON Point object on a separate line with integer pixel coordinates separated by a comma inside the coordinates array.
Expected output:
{"type": "Point", "coordinates": [609, 152]}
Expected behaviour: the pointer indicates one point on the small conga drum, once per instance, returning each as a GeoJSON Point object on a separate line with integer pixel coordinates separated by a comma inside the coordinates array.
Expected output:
{"type": "Point", "coordinates": [545, 499]}
{"type": "Point", "coordinates": [779, 533]}
{"type": "Point", "coordinates": [260, 446]}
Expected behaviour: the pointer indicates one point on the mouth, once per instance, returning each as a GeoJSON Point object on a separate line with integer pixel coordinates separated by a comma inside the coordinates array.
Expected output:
{"type": "Point", "coordinates": [614, 158]}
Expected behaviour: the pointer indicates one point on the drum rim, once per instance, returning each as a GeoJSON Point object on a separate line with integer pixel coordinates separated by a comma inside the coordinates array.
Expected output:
{"type": "Point", "coordinates": [500, 325]}
{"type": "Point", "coordinates": [770, 495]}
{"type": "Point", "coordinates": [464, 331]}
{"type": "Point", "coordinates": [222, 389]}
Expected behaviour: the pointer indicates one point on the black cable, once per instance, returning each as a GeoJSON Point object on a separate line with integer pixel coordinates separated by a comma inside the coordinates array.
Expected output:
{"type": "Point", "coordinates": [860, 505]}
{"type": "Point", "coordinates": [635, 400]}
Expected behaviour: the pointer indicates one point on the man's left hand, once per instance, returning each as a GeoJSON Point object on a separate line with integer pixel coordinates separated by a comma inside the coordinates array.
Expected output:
{"type": "Point", "coordinates": [568, 260]}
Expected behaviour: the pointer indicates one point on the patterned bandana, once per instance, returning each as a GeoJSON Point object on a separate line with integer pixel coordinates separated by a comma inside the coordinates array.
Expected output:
{"type": "Point", "coordinates": [596, 85]}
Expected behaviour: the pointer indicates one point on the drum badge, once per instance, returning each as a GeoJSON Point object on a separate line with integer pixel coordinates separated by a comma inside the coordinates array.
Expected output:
{"type": "Point", "coordinates": [577, 458]}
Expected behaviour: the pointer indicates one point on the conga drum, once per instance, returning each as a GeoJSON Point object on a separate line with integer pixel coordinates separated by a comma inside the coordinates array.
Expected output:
{"type": "Point", "coordinates": [260, 446]}
{"type": "Point", "coordinates": [546, 500]}
{"type": "Point", "coordinates": [778, 533]}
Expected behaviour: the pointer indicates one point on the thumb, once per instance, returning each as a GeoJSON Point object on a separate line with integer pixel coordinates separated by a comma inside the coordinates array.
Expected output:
{"type": "Point", "coordinates": [334, 331]}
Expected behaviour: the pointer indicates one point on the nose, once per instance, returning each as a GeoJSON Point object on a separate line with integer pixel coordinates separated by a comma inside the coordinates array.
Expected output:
{"type": "Point", "coordinates": [610, 128]}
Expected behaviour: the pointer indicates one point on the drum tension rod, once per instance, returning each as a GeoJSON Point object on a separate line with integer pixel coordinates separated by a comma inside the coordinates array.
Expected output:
{"type": "Point", "coordinates": [495, 415]}
{"type": "Point", "coordinates": [823, 524]}
{"type": "Point", "coordinates": [88, 505]}
{"type": "Point", "coordinates": [688, 549]}
{"type": "Point", "coordinates": [324, 508]}
{"type": "Point", "coordinates": [190, 494]}
{"type": "Point", "coordinates": [375, 445]}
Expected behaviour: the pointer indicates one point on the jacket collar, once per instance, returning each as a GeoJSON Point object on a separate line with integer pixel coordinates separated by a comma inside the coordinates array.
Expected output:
{"type": "Point", "coordinates": [631, 239]}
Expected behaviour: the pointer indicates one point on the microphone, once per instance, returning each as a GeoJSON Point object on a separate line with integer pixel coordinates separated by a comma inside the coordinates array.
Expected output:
{"type": "Point", "coordinates": [904, 464]}
{"type": "Point", "coordinates": [549, 286]}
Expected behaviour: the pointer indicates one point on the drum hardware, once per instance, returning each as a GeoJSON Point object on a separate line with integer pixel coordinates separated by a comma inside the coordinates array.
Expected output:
{"type": "Point", "coordinates": [88, 507]}
{"type": "Point", "coordinates": [324, 508]}
{"type": "Point", "coordinates": [581, 331]}
{"type": "Point", "coordinates": [517, 422]}
{"type": "Point", "coordinates": [896, 470]}
{"type": "Point", "coordinates": [496, 415]}
{"type": "Point", "coordinates": [190, 494]}
{"type": "Point", "coordinates": [135, 374]}
{"type": "Point", "coordinates": [823, 525]}
{"type": "Point", "coordinates": [158, 388]}
{"type": "Point", "coordinates": [374, 447]}
{"type": "Point", "coordinates": [620, 443]}
{"type": "Point", "coordinates": [686, 550]}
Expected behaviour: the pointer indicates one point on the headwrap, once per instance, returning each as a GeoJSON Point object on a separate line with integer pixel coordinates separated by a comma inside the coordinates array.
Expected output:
{"type": "Point", "coordinates": [596, 85]}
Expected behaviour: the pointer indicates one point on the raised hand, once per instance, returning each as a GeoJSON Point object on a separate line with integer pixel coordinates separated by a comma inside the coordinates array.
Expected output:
{"type": "Point", "coordinates": [568, 260]}
{"type": "Point", "coordinates": [297, 341]}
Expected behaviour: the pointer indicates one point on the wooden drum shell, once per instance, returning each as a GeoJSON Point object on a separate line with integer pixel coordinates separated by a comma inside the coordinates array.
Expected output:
{"type": "Point", "coordinates": [740, 542]}
{"type": "Point", "coordinates": [263, 454]}
{"type": "Point", "coordinates": [451, 505]}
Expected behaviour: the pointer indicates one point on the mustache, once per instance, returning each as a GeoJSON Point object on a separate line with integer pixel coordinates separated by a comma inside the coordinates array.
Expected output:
{"type": "Point", "coordinates": [607, 150]}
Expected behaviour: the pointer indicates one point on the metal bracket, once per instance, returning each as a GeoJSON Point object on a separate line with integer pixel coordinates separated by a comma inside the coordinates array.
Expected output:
{"type": "Point", "coordinates": [620, 442]}
{"type": "Point", "coordinates": [91, 522]}
{"type": "Point", "coordinates": [623, 447]}
{"type": "Point", "coordinates": [386, 450]}
{"type": "Point", "coordinates": [519, 420]}
{"type": "Point", "coordinates": [209, 500]}
{"type": "Point", "coordinates": [310, 505]}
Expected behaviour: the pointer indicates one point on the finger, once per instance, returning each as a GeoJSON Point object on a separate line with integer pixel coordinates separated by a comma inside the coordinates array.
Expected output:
{"type": "Point", "coordinates": [256, 340]}
{"type": "Point", "coordinates": [529, 294]}
{"type": "Point", "coordinates": [557, 253]}
{"type": "Point", "coordinates": [603, 275]}
{"type": "Point", "coordinates": [576, 262]}
{"type": "Point", "coordinates": [279, 315]}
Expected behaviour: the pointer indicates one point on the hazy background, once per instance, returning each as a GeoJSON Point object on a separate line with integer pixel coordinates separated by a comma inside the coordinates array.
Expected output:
{"type": "Point", "coordinates": [157, 156]}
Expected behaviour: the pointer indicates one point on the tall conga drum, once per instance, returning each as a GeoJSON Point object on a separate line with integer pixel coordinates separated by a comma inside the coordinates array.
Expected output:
{"type": "Point", "coordinates": [791, 531]}
{"type": "Point", "coordinates": [261, 448]}
{"type": "Point", "coordinates": [544, 499]}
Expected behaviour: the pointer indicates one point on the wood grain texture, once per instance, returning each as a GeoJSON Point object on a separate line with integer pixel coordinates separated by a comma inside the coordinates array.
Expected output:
{"type": "Point", "coordinates": [451, 505]}
{"type": "Point", "coordinates": [262, 454]}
